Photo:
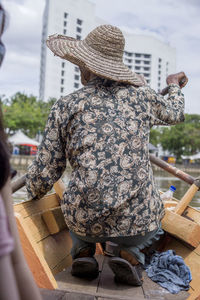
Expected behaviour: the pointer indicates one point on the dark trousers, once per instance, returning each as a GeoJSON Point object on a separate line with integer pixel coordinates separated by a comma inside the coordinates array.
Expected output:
{"type": "Point", "coordinates": [131, 244]}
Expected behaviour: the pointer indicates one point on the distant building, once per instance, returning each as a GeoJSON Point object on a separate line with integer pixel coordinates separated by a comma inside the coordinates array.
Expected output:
{"type": "Point", "coordinates": [149, 56]}
{"type": "Point", "coordinates": [143, 54]}
{"type": "Point", "coordinates": [153, 149]}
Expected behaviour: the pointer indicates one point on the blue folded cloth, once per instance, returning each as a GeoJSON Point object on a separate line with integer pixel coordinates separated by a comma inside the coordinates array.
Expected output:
{"type": "Point", "coordinates": [170, 271]}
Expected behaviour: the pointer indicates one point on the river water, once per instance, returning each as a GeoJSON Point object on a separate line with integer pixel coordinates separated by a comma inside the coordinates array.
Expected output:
{"type": "Point", "coordinates": [163, 181]}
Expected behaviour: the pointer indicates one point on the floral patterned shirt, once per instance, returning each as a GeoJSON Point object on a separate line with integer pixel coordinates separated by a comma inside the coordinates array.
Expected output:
{"type": "Point", "coordinates": [103, 130]}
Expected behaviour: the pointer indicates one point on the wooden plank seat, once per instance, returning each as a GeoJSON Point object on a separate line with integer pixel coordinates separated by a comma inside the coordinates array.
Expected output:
{"type": "Point", "coordinates": [181, 227]}
{"type": "Point", "coordinates": [52, 251]}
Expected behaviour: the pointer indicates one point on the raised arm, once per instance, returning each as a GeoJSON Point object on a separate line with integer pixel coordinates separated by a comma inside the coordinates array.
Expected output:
{"type": "Point", "coordinates": [170, 110]}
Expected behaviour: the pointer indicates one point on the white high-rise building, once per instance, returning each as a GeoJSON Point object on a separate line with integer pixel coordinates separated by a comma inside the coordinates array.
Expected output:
{"type": "Point", "coordinates": [76, 18]}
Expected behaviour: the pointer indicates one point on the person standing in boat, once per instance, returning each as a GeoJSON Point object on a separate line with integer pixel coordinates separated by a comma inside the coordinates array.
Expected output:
{"type": "Point", "coordinates": [103, 130]}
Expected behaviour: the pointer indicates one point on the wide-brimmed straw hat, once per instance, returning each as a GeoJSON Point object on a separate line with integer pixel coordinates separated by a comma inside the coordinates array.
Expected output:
{"type": "Point", "coordinates": [101, 52]}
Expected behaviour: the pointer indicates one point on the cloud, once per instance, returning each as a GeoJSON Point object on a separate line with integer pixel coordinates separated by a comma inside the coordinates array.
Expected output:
{"type": "Point", "coordinates": [175, 22]}
{"type": "Point", "coordinates": [20, 69]}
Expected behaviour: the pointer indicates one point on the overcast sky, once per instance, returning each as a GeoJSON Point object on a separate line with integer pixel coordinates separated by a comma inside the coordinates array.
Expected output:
{"type": "Point", "coordinates": [176, 22]}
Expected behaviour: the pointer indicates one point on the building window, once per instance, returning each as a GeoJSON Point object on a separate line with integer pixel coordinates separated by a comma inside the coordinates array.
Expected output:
{"type": "Point", "coordinates": [61, 89]}
{"type": "Point", "coordinates": [62, 81]}
{"type": "Point", "coordinates": [65, 15]}
{"type": "Point", "coordinates": [146, 68]}
{"type": "Point", "coordinates": [128, 60]}
{"type": "Point", "coordinates": [130, 67]}
{"type": "Point", "coordinates": [159, 84]}
{"type": "Point", "coordinates": [76, 77]}
{"type": "Point", "coordinates": [63, 64]}
{"type": "Point", "coordinates": [65, 23]}
{"type": "Point", "coordinates": [137, 55]}
{"type": "Point", "coordinates": [147, 55]}
{"type": "Point", "coordinates": [128, 53]}
{"type": "Point", "coordinates": [62, 73]}
{"type": "Point", "coordinates": [76, 85]}
{"type": "Point", "coordinates": [159, 60]}
{"type": "Point", "coordinates": [159, 72]}
{"type": "Point", "coordinates": [159, 66]}
{"type": "Point", "coordinates": [64, 31]}
{"type": "Point", "coordinates": [137, 61]}
{"type": "Point", "coordinates": [76, 69]}
{"type": "Point", "coordinates": [79, 22]}
{"type": "Point", "coordinates": [78, 29]}
{"type": "Point", "coordinates": [137, 68]}
{"type": "Point", "coordinates": [78, 37]}
{"type": "Point", "coordinates": [159, 78]}
{"type": "Point", "coordinates": [146, 74]}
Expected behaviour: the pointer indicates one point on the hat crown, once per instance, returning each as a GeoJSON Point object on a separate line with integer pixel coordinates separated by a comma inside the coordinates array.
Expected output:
{"type": "Point", "coordinates": [101, 52]}
{"type": "Point", "coordinates": [107, 40]}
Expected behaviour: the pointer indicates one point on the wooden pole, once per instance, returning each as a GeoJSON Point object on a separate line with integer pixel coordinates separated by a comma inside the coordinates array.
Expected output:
{"type": "Point", "coordinates": [184, 202]}
{"type": "Point", "coordinates": [59, 188]}
{"type": "Point", "coordinates": [19, 183]}
{"type": "Point", "coordinates": [171, 169]}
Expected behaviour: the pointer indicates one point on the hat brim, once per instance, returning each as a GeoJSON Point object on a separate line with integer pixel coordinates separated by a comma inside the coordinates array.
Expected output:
{"type": "Point", "coordinates": [79, 53]}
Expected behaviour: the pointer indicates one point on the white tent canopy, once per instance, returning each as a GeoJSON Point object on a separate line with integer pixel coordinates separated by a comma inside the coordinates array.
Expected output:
{"type": "Point", "coordinates": [20, 138]}
{"type": "Point", "coordinates": [193, 157]}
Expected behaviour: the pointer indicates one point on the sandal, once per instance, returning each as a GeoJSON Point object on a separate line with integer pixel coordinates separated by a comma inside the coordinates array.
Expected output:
{"type": "Point", "coordinates": [125, 272]}
{"type": "Point", "coordinates": [85, 267]}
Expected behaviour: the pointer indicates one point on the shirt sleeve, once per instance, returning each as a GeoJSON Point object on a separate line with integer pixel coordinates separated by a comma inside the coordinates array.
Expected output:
{"type": "Point", "coordinates": [50, 161]}
{"type": "Point", "coordinates": [167, 111]}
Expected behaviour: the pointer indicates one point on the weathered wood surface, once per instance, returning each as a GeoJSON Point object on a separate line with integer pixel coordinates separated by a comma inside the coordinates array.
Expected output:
{"type": "Point", "coordinates": [30, 208]}
{"type": "Point", "coordinates": [182, 228]}
{"type": "Point", "coordinates": [104, 287]}
{"type": "Point", "coordinates": [154, 291]}
{"type": "Point", "coordinates": [107, 285]}
{"type": "Point", "coordinates": [62, 295]}
{"type": "Point", "coordinates": [192, 259]}
{"type": "Point", "coordinates": [59, 188]}
{"type": "Point", "coordinates": [37, 264]}
{"type": "Point", "coordinates": [54, 220]}
{"type": "Point", "coordinates": [192, 214]}
{"type": "Point", "coordinates": [46, 254]}
{"type": "Point", "coordinates": [185, 201]}
{"type": "Point", "coordinates": [52, 251]}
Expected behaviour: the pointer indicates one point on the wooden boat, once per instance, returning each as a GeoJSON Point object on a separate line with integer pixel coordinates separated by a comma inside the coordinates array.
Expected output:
{"type": "Point", "coordinates": [46, 243]}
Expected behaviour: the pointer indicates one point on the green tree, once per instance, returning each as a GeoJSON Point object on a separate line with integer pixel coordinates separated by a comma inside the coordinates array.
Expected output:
{"type": "Point", "coordinates": [183, 138]}
{"type": "Point", "coordinates": [155, 136]}
{"type": "Point", "coordinates": [26, 113]}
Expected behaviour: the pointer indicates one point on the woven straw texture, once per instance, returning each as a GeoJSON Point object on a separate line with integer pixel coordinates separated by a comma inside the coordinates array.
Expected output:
{"type": "Point", "coordinates": [101, 52]}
